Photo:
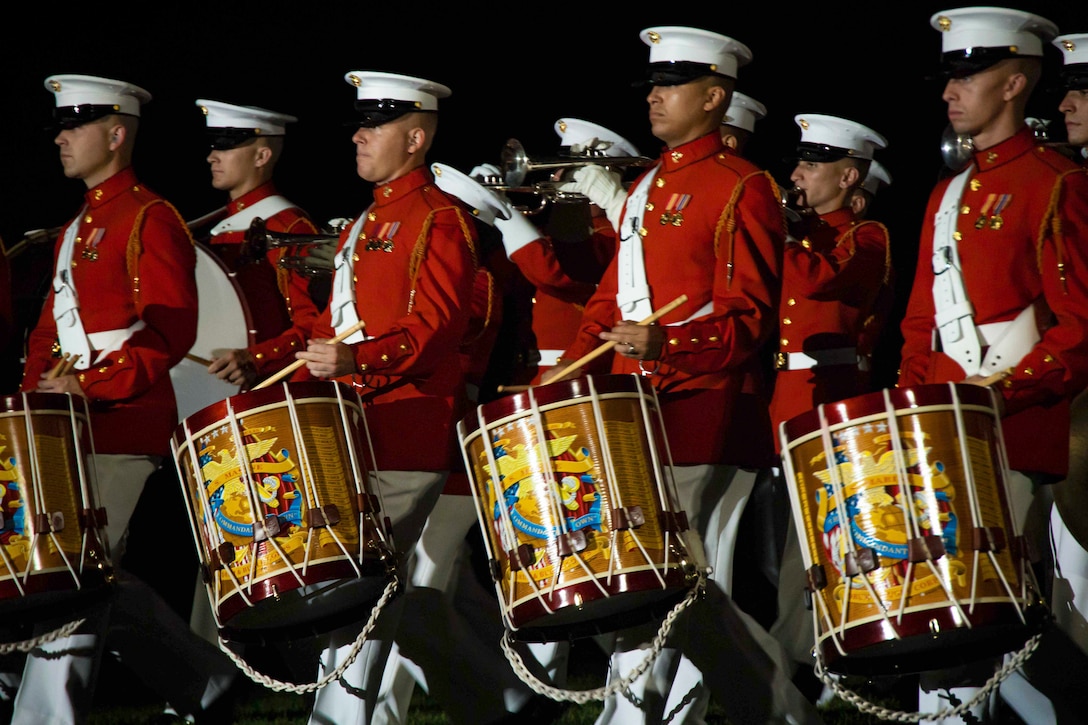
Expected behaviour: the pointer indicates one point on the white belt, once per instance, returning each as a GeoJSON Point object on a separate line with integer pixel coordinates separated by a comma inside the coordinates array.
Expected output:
{"type": "Point", "coordinates": [109, 341]}
{"type": "Point", "coordinates": [821, 358]}
{"type": "Point", "coordinates": [549, 358]}
{"type": "Point", "coordinates": [1009, 341]}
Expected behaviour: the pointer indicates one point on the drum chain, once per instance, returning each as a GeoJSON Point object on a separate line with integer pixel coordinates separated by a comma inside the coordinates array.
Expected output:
{"type": "Point", "coordinates": [1012, 663]}
{"type": "Point", "coordinates": [281, 686]}
{"type": "Point", "coordinates": [29, 644]}
{"type": "Point", "coordinates": [581, 697]}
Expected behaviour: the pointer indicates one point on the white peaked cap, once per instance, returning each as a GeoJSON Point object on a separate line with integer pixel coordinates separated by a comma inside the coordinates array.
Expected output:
{"type": "Point", "coordinates": [575, 131]}
{"type": "Point", "coordinates": [1074, 48]}
{"type": "Point", "coordinates": [376, 85]}
{"type": "Point", "coordinates": [743, 112]}
{"type": "Point", "coordinates": [877, 177]}
{"type": "Point", "coordinates": [842, 136]}
{"type": "Point", "coordinates": [485, 203]}
{"type": "Point", "coordinates": [78, 90]}
{"type": "Point", "coordinates": [671, 44]}
{"type": "Point", "coordinates": [227, 115]}
{"type": "Point", "coordinates": [1021, 32]}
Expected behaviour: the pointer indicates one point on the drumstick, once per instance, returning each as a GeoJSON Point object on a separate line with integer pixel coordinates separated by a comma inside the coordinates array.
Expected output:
{"type": "Point", "coordinates": [512, 388]}
{"type": "Point", "coordinates": [197, 359]}
{"type": "Point", "coordinates": [994, 378]}
{"type": "Point", "coordinates": [605, 347]}
{"type": "Point", "coordinates": [299, 363]}
{"type": "Point", "coordinates": [55, 372]}
{"type": "Point", "coordinates": [64, 366]}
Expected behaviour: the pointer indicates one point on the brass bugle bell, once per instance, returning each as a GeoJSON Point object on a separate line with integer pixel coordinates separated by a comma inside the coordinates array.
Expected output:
{"type": "Point", "coordinates": [516, 164]}
{"type": "Point", "coordinates": [259, 238]}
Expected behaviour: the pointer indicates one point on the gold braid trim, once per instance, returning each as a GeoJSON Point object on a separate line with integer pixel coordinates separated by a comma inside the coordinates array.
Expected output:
{"type": "Point", "coordinates": [135, 245]}
{"type": "Point", "coordinates": [420, 248]}
{"type": "Point", "coordinates": [727, 222]}
{"type": "Point", "coordinates": [487, 321]}
{"type": "Point", "coordinates": [1052, 222]}
{"type": "Point", "coordinates": [887, 247]}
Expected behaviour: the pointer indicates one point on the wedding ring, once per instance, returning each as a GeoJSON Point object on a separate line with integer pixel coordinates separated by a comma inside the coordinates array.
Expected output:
{"type": "Point", "coordinates": [630, 349]}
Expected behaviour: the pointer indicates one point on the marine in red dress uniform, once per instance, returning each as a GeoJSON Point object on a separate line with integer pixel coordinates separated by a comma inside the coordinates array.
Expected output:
{"type": "Point", "coordinates": [1032, 238]}
{"type": "Point", "coordinates": [830, 281]}
{"type": "Point", "coordinates": [278, 299]}
{"type": "Point", "coordinates": [133, 261]}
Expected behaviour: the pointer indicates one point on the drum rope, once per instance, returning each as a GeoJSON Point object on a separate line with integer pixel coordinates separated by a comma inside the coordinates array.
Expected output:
{"type": "Point", "coordinates": [1012, 663]}
{"type": "Point", "coordinates": [301, 689]}
{"type": "Point", "coordinates": [581, 697]}
{"type": "Point", "coordinates": [29, 644]}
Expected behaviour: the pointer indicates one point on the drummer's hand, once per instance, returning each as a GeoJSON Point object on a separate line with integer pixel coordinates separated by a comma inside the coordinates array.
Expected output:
{"type": "Point", "coordinates": [556, 372]}
{"type": "Point", "coordinates": [637, 342]}
{"type": "Point", "coordinates": [326, 359]}
{"type": "Point", "coordinates": [991, 381]}
{"type": "Point", "coordinates": [236, 367]}
{"type": "Point", "coordinates": [62, 384]}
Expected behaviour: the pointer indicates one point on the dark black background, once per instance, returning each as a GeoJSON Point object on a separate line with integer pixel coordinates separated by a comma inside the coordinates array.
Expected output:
{"type": "Point", "coordinates": [514, 69]}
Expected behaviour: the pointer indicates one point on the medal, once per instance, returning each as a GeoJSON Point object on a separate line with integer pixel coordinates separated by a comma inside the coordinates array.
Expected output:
{"type": "Point", "coordinates": [996, 222]}
{"type": "Point", "coordinates": [981, 221]}
{"type": "Point", "coordinates": [673, 210]}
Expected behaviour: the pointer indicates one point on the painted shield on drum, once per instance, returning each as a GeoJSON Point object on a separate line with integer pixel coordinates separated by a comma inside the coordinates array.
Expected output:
{"type": "Point", "coordinates": [912, 557]}
{"type": "Point", "coordinates": [224, 323]}
{"type": "Point", "coordinates": [287, 528]}
{"type": "Point", "coordinates": [579, 516]}
{"type": "Point", "coordinates": [53, 551]}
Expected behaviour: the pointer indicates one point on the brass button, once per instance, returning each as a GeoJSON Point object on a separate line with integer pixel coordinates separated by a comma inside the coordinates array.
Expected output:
{"type": "Point", "coordinates": [674, 341]}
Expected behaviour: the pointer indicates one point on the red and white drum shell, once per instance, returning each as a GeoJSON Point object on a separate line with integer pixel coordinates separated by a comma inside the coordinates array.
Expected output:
{"type": "Point", "coordinates": [290, 535]}
{"type": "Point", "coordinates": [53, 548]}
{"type": "Point", "coordinates": [912, 557]}
{"type": "Point", "coordinates": [579, 515]}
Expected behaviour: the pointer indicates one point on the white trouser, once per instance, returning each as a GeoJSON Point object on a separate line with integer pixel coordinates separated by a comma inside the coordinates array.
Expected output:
{"type": "Point", "coordinates": [407, 498]}
{"type": "Point", "coordinates": [148, 635]}
{"type": "Point", "coordinates": [674, 688]}
{"type": "Point", "coordinates": [435, 638]}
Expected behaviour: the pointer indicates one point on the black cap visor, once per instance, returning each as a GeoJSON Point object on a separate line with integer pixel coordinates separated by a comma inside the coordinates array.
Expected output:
{"type": "Point", "coordinates": [374, 112]}
{"type": "Point", "coordinates": [224, 138]}
{"type": "Point", "coordinates": [821, 153]}
{"type": "Point", "coordinates": [968, 61]}
{"type": "Point", "coordinates": [66, 117]}
{"type": "Point", "coordinates": [1073, 77]}
{"type": "Point", "coordinates": [676, 73]}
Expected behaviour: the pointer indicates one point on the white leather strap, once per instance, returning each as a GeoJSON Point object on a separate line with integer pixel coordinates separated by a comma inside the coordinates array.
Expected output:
{"type": "Point", "coordinates": [820, 358]}
{"type": "Point", "coordinates": [73, 339]}
{"type": "Point", "coordinates": [342, 301]}
{"type": "Point", "coordinates": [266, 208]}
{"type": "Point", "coordinates": [954, 314]}
{"type": "Point", "coordinates": [632, 290]}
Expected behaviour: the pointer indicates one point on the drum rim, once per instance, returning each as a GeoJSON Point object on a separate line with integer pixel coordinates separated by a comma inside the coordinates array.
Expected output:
{"type": "Point", "coordinates": [903, 399]}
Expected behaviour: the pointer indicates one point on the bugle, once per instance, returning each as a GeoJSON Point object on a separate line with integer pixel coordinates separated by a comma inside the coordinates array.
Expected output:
{"type": "Point", "coordinates": [258, 240]}
{"type": "Point", "coordinates": [516, 164]}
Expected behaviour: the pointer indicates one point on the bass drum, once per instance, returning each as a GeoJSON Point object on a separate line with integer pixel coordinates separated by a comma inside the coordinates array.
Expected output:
{"type": "Point", "coordinates": [224, 324]}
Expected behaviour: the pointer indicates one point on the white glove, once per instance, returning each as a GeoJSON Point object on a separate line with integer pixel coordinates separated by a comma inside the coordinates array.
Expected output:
{"type": "Point", "coordinates": [602, 187]}
{"type": "Point", "coordinates": [591, 144]}
{"type": "Point", "coordinates": [320, 256]}
{"type": "Point", "coordinates": [486, 172]}
{"type": "Point", "coordinates": [517, 231]}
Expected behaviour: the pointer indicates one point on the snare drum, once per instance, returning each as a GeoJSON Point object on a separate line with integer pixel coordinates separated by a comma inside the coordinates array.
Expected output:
{"type": "Point", "coordinates": [290, 534]}
{"type": "Point", "coordinates": [223, 323]}
{"type": "Point", "coordinates": [912, 556]}
{"type": "Point", "coordinates": [579, 514]}
{"type": "Point", "coordinates": [53, 550]}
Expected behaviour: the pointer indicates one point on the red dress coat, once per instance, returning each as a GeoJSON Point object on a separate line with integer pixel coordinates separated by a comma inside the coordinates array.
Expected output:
{"type": "Point", "coordinates": [831, 281]}
{"type": "Point", "coordinates": [140, 266]}
{"type": "Point", "coordinates": [563, 280]}
{"type": "Point", "coordinates": [1036, 253]}
{"type": "Point", "coordinates": [278, 300]}
{"type": "Point", "coordinates": [726, 250]}
{"type": "Point", "coordinates": [415, 268]}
